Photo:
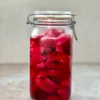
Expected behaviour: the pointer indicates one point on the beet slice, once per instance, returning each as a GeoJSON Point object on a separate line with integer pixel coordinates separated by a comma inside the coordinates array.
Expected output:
{"type": "Point", "coordinates": [36, 56]}
{"type": "Point", "coordinates": [53, 32]}
{"type": "Point", "coordinates": [64, 44]}
{"type": "Point", "coordinates": [46, 85]}
{"type": "Point", "coordinates": [48, 73]}
{"type": "Point", "coordinates": [34, 42]}
{"type": "Point", "coordinates": [47, 50]}
{"type": "Point", "coordinates": [63, 38]}
{"type": "Point", "coordinates": [33, 72]}
{"type": "Point", "coordinates": [53, 97]}
{"type": "Point", "coordinates": [40, 95]}
{"type": "Point", "coordinates": [63, 93]}
{"type": "Point", "coordinates": [59, 49]}
{"type": "Point", "coordinates": [61, 77]}
{"type": "Point", "coordinates": [59, 57]}
{"type": "Point", "coordinates": [47, 41]}
{"type": "Point", "coordinates": [59, 68]}
{"type": "Point", "coordinates": [65, 83]}
{"type": "Point", "coordinates": [31, 52]}
{"type": "Point", "coordinates": [33, 89]}
{"type": "Point", "coordinates": [41, 65]}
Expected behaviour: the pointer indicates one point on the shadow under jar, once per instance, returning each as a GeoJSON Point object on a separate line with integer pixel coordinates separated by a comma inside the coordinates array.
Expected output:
{"type": "Point", "coordinates": [51, 55]}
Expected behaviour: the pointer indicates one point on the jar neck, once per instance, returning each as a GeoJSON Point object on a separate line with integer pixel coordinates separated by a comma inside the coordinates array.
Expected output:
{"type": "Point", "coordinates": [52, 18]}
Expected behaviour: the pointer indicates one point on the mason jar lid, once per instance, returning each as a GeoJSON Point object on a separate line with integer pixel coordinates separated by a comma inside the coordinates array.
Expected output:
{"type": "Point", "coordinates": [52, 12]}
{"type": "Point", "coordinates": [65, 14]}
{"type": "Point", "coordinates": [52, 16]}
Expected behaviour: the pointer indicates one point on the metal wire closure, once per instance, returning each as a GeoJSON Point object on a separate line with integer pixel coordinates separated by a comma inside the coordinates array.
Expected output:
{"type": "Point", "coordinates": [72, 22]}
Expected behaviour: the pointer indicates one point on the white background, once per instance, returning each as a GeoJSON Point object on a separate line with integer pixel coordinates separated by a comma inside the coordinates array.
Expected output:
{"type": "Point", "coordinates": [14, 33]}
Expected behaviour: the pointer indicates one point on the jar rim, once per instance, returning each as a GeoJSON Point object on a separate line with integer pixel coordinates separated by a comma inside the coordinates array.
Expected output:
{"type": "Point", "coordinates": [52, 12]}
{"type": "Point", "coordinates": [66, 14]}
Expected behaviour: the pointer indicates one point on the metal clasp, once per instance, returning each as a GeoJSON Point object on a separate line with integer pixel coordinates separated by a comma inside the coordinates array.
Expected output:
{"type": "Point", "coordinates": [28, 20]}
{"type": "Point", "coordinates": [74, 31]}
{"type": "Point", "coordinates": [73, 26]}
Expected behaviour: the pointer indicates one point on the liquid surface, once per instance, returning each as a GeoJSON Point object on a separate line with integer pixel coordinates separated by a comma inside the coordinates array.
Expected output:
{"type": "Point", "coordinates": [50, 65]}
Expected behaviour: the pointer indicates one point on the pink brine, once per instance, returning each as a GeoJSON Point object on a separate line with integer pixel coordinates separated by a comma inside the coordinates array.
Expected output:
{"type": "Point", "coordinates": [50, 65]}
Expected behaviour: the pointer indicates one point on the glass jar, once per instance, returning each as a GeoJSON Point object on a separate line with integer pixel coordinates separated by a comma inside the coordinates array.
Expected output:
{"type": "Point", "coordinates": [51, 54]}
